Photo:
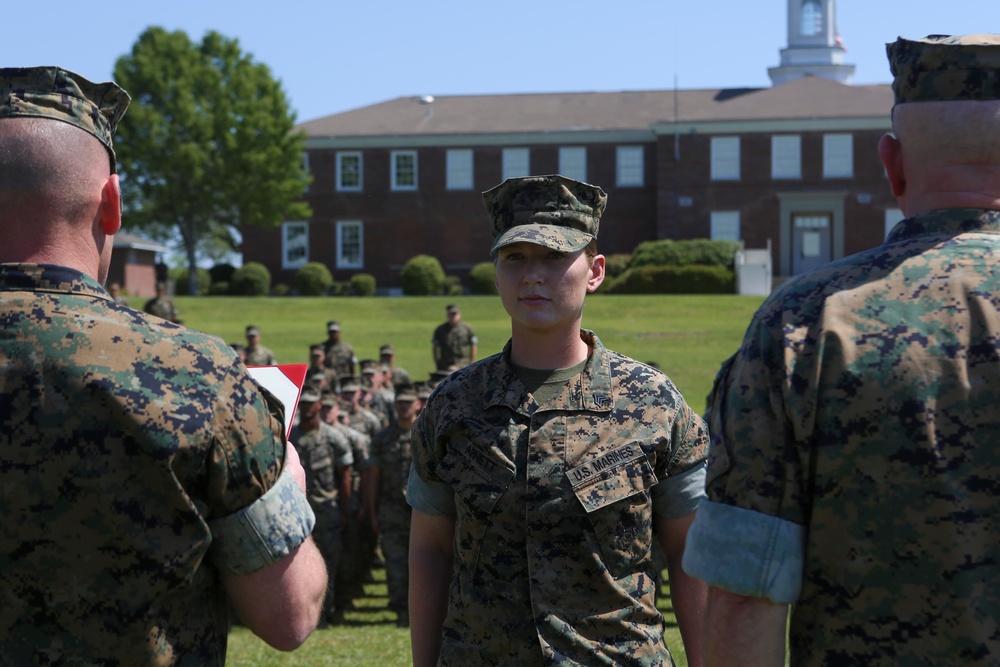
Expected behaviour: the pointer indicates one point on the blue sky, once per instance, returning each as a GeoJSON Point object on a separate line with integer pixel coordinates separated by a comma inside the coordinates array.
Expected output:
{"type": "Point", "coordinates": [332, 56]}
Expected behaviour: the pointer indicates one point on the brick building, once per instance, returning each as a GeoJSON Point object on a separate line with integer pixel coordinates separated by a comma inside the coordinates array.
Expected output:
{"type": "Point", "coordinates": [792, 167]}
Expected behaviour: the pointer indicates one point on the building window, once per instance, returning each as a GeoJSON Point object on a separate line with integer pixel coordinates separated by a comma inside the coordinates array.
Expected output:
{"type": "Point", "coordinates": [349, 172]}
{"type": "Point", "coordinates": [350, 245]}
{"type": "Point", "coordinates": [812, 18]}
{"type": "Point", "coordinates": [515, 163]}
{"type": "Point", "coordinates": [786, 156]}
{"type": "Point", "coordinates": [725, 158]}
{"type": "Point", "coordinates": [725, 225]}
{"type": "Point", "coordinates": [404, 170]}
{"type": "Point", "coordinates": [458, 169]}
{"type": "Point", "coordinates": [838, 156]}
{"type": "Point", "coordinates": [629, 167]}
{"type": "Point", "coordinates": [573, 162]}
{"type": "Point", "coordinates": [294, 245]}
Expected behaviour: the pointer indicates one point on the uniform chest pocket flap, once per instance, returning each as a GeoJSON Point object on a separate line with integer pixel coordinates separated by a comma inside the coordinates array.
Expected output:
{"type": "Point", "coordinates": [476, 475]}
{"type": "Point", "coordinates": [612, 476]}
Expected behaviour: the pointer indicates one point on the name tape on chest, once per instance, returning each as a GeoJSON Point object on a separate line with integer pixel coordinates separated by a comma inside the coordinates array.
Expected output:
{"type": "Point", "coordinates": [604, 465]}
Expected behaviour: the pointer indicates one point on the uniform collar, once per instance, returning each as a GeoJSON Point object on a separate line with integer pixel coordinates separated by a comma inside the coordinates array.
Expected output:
{"type": "Point", "coordinates": [591, 390]}
{"type": "Point", "coordinates": [950, 221]}
{"type": "Point", "coordinates": [49, 278]}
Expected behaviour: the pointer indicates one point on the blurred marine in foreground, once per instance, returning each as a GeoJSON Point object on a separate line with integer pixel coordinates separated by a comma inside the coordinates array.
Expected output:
{"type": "Point", "coordinates": [145, 482]}
{"type": "Point", "coordinates": [853, 471]}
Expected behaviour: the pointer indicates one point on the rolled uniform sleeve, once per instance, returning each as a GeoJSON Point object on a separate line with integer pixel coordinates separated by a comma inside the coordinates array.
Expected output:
{"type": "Point", "coordinates": [264, 531]}
{"type": "Point", "coordinates": [749, 536]}
{"type": "Point", "coordinates": [258, 513]}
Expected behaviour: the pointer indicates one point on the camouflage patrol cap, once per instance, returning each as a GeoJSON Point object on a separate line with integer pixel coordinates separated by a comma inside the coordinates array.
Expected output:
{"type": "Point", "coordinates": [405, 393]}
{"type": "Point", "coordinates": [252, 331]}
{"type": "Point", "coordinates": [58, 94]}
{"type": "Point", "coordinates": [944, 68]}
{"type": "Point", "coordinates": [368, 366]}
{"type": "Point", "coordinates": [329, 399]}
{"type": "Point", "coordinates": [551, 211]}
{"type": "Point", "coordinates": [424, 391]}
{"type": "Point", "coordinates": [386, 349]}
{"type": "Point", "coordinates": [349, 383]}
{"type": "Point", "coordinates": [310, 395]}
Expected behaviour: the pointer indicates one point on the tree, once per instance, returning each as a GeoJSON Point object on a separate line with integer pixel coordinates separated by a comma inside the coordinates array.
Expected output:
{"type": "Point", "coordinates": [207, 146]}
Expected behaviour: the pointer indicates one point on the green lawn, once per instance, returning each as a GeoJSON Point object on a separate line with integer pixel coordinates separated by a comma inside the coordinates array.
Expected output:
{"type": "Point", "coordinates": [688, 336]}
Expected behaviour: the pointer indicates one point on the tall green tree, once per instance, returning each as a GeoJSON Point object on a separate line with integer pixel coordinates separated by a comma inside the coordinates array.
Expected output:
{"type": "Point", "coordinates": [207, 146]}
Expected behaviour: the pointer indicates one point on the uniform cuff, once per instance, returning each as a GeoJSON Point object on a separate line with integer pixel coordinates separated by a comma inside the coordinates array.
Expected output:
{"type": "Point", "coordinates": [746, 552]}
{"type": "Point", "coordinates": [263, 532]}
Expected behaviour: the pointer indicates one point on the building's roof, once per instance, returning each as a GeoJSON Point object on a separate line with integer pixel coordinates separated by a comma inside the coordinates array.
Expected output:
{"type": "Point", "coordinates": [127, 240]}
{"type": "Point", "coordinates": [803, 99]}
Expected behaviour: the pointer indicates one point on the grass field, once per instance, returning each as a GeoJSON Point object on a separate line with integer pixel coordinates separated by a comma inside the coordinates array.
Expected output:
{"type": "Point", "coordinates": [688, 336]}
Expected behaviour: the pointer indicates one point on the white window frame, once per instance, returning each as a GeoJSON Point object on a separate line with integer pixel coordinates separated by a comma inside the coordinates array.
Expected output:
{"type": "Point", "coordinates": [350, 187]}
{"type": "Point", "coordinates": [344, 227]}
{"type": "Point", "coordinates": [786, 156]}
{"type": "Point", "coordinates": [725, 158]}
{"type": "Point", "coordinates": [516, 163]}
{"type": "Point", "coordinates": [630, 162]}
{"type": "Point", "coordinates": [725, 225]}
{"type": "Point", "coordinates": [838, 156]}
{"type": "Point", "coordinates": [573, 162]}
{"type": "Point", "coordinates": [458, 169]}
{"type": "Point", "coordinates": [294, 239]}
{"type": "Point", "coordinates": [396, 183]}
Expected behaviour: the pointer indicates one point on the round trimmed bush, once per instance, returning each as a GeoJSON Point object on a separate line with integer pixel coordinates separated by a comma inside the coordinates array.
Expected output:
{"type": "Point", "coordinates": [181, 287]}
{"type": "Point", "coordinates": [363, 284]}
{"type": "Point", "coordinates": [482, 278]}
{"type": "Point", "coordinates": [251, 279]}
{"type": "Point", "coordinates": [313, 279]}
{"type": "Point", "coordinates": [422, 275]}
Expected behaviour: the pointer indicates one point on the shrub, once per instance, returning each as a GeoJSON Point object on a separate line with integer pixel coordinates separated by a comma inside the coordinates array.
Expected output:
{"type": "Point", "coordinates": [453, 286]}
{"type": "Point", "coordinates": [180, 277]}
{"type": "Point", "coordinates": [221, 273]}
{"type": "Point", "coordinates": [251, 279]}
{"type": "Point", "coordinates": [422, 276]}
{"type": "Point", "coordinates": [668, 252]}
{"type": "Point", "coordinates": [693, 279]}
{"type": "Point", "coordinates": [220, 288]}
{"type": "Point", "coordinates": [313, 279]}
{"type": "Point", "coordinates": [340, 289]}
{"type": "Point", "coordinates": [281, 289]}
{"type": "Point", "coordinates": [363, 284]}
{"type": "Point", "coordinates": [482, 278]}
{"type": "Point", "coordinates": [615, 265]}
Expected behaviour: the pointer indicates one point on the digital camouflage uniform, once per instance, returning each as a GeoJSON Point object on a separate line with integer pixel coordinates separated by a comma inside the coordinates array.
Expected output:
{"type": "Point", "coordinates": [340, 357]}
{"type": "Point", "coordinates": [134, 451]}
{"type": "Point", "coordinates": [554, 509]}
{"type": "Point", "coordinates": [454, 344]}
{"type": "Point", "coordinates": [852, 462]}
{"type": "Point", "coordinates": [391, 455]}
{"type": "Point", "coordinates": [324, 452]}
{"type": "Point", "coordinates": [353, 566]}
{"type": "Point", "coordinates": [163, 308]}
{"type": "Point", "coordinates": [260, 357]}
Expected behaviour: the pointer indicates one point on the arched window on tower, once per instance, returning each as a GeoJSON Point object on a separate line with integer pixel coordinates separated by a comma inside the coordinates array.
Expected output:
{"type": "Point", "coordinates": [812, 18]}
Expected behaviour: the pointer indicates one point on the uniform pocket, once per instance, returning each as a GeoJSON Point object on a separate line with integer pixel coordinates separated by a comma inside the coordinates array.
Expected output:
{"type": "Point", "coordinates": [614, 490]}
{"type": "Point", "coordinates": [479, 479]}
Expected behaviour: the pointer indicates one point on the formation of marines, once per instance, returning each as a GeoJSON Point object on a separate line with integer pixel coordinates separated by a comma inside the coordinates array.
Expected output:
{"type": "Point", "coordinates": [352, 428]}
